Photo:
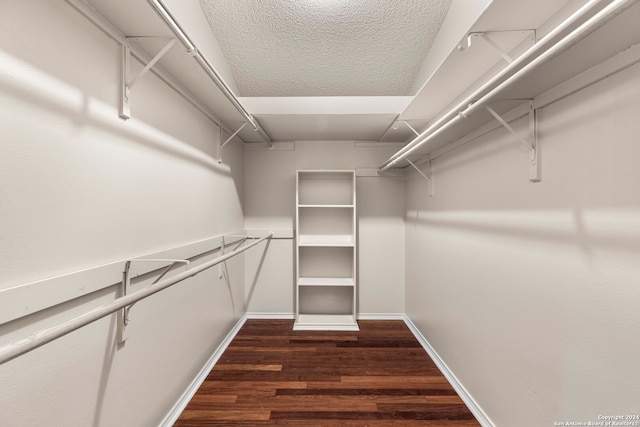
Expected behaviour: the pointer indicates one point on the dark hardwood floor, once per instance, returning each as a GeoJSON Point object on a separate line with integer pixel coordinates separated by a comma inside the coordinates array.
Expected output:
{"type": "Point", "coordinates": [271, 375]}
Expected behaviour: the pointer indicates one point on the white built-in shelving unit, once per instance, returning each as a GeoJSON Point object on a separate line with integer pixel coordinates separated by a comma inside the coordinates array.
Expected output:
{"type": "Point", "coordinates": [326, 250]}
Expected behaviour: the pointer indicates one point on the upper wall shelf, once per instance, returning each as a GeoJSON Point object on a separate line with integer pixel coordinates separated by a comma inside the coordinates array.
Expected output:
{"type": "Point", "coordinates": [145, 26]}
{"type": "Point", "coordinates": [352, 118]}
{"type": "Point", "coordinates": [564, 68]}
{"type": "Point", "coordinates": [360, 118]}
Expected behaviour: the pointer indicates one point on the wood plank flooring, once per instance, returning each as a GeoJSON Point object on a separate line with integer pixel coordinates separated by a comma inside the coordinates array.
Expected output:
{"type": "Point", "coordinates": [271, 375]}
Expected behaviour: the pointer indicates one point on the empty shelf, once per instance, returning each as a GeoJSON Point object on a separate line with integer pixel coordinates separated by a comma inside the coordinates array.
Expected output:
{"type": "Point", "coordinates": [326, 281]}
{"type": "Point", "coordinates": [326, 322]}
{"type": "Point", "coordinates": [326, 240]}
{"type": "Point", "coordinates": [325, 206]}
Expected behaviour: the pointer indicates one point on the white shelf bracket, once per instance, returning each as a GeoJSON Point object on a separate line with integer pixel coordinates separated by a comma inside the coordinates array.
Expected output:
{"type": "Point", "coordinates": [428, 176]}
{"type": "Point", "coordinates": [396, 125]}
{"type": "Point", "coordinates": [125, 106]}
{"type": "Point", "coordinates": [534, 159]}
{"type": "Point", "coordinates": [123, 317]}
{"type": "Point", "coordinates": [229, 140]}
{"type": "Point", "coordinates": [486, 36]}
{"type": "Point", "coordinates": [126, 82]}
{"type": "Point", "coordinates": [531, 142]}
{"type": "Point", "coordinates": [222, 267]}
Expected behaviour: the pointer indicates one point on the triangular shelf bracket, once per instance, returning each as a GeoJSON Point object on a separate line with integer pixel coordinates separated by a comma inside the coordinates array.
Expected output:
{"type": "Point", "coordinates": [428, 176]}
{"type": "Point", "coordinates": [396, 125]}
{"type": "Point", "coordinates": [123, 317]}
{"type": "Point", "coordinates": [221, 144]}
{"type": "Point", "coordinates": [486, 36]}
{"type": "Point", "coordinates": [531, 142]}
{"type": "Point", "coordinates": [126, 83]}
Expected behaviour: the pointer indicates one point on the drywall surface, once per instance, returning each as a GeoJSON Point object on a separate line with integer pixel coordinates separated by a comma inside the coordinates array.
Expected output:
{"type": "Point", "coordinates": [529, 292]}
{"type": "Point", "coordinates": [270, 185]}
{"type": "Point", "coordinates": [81, 188]}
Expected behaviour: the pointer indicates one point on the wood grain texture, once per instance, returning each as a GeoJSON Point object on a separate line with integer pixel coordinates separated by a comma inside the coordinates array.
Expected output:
{"type": "Point", "coordinates": [271, 375]}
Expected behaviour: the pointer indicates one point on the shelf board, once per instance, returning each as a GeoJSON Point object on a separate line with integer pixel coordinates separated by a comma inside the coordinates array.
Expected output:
{"type": "Point", "coordinates": [326, 281]}
{"type": "Point", "coordinates": [325, 322]}
{"type": "Point", "coordinates": [325, 206]}
{"type": "Point", "coordinates": [322, 173]}
{"type": "Point", "coordinates": [337, 240]}
{"type": "Point", "coordinates": [615, 36]}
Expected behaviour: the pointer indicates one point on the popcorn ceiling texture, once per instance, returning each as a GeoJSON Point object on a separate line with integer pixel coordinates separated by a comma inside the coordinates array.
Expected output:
{"type": "Point", "coordinates": [325, 47]}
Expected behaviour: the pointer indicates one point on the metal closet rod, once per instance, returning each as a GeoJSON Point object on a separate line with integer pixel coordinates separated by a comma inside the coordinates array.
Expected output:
{"type": "Point", "coordinates": [17, 348]}
{"type": "Point", "coordinates": [192, 50]}
{"type": "Point", "coordinates": [524, 64]}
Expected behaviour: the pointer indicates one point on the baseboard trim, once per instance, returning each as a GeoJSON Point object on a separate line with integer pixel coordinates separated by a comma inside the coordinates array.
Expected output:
{"type": "Point", "coordinates": [270, 316]}
{"type": "Point", "coordinates": [381, 316]}
{"type": "Point", "coordinates": [475, 409]}
{"type": "Point", "coordinates": [361, 316]}
{"type": "Point", "coordinates": [186, 397]}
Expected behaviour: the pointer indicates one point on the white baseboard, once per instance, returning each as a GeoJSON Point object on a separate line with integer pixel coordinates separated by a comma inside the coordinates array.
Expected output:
{"type": "Point", "coordinates": [361, 316]}
{"type": "Point", "coordinates": [381, 316]}
{"type": "Point", "coordinates": [270, 316]}
{"type": "Point", "coordinates": [186, 397]}
{"type": "Point", "coordinates": [477, 412]}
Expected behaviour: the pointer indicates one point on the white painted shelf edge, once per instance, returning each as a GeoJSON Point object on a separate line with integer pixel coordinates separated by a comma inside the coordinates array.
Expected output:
{"type": "Point", "coordinates": [326, 281]}
{"type": "Point", "coordinates": [325, 206]}
{"type": "Point", "coordinates": [326, 240]}
{"type": "Point", "coordinates": [326, 322]}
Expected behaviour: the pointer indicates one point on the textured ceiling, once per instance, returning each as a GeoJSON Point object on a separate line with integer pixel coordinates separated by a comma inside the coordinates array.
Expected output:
{"type": "Point", "coordinates": [325, 47]}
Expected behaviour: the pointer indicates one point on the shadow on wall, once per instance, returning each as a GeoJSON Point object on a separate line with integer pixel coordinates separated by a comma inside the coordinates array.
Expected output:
{"type": "Point", "coordinates": [256, 275]}
{"type": "Point", "coordinates": [107, 367]}
{"type": "Point", "coordinates": [590, 112]}
{"type": "Point", "coordinates": [22, 81]}
{"type": "Point", "coordinates": [563, 227]}
{"type": "Point", "coordinates": [35, 321]}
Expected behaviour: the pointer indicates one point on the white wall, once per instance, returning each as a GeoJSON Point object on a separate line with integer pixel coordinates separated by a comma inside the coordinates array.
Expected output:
{"type": "Point", "coordinates": [79, 188]}
{"type": "Point", "coordinates": [529, 292]}
{"type": "Point", "coordinates": [270, 205]}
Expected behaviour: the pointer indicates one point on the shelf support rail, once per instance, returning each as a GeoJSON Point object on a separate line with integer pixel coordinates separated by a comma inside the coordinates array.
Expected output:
{"type": "Point", "coordinates": [531, 142]}
{"type": "Point", "coordinates": [125, 82]}
{"type": "Point", "coordinates": [521, 66]}
{"type": "Point", "coordinates": [26, 344]}
{"type": "Point", "coordinates": [192, 50]}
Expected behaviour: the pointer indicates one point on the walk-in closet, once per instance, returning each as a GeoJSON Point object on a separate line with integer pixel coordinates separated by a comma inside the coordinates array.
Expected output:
{"type": "Point", "coordinates": [319, 213]}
